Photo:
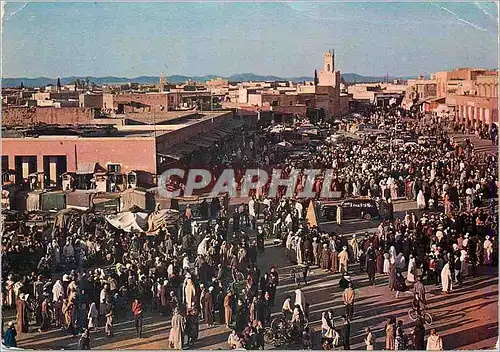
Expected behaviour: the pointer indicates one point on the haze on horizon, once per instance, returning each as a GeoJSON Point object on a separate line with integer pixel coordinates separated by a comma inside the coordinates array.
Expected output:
{"type": "Point", "coordinates": [224, 38]}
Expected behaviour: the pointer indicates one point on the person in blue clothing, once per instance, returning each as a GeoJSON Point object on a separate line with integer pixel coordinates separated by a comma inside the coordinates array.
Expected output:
{"type": "Point", "coordinates": [9, 337]}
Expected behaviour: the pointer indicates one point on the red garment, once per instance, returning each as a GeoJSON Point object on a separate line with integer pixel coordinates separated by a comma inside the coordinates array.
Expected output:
{"type": "Point", "coordinates": [136, 308]}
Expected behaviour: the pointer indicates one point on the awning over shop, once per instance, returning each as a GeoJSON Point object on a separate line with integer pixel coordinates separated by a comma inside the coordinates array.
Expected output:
{"type": "Point", "coordinates": [211, 138]}
{"type": "Point", "coordinates": [33, 200]}
{"type": "Point", "coordinates": [63, 217]}
{"type": "Point", "coordinates": [199, 142]}
{"type": "Point", "coordinates": [172, 155]}
{"type": "Point", "coordinates": [84, 168]}
{"type": "Point", "coordinates": [106, 202]}
{"type": "Point", "coordinates": [138, 197]}
{"type": "Point", "coordinates": [53, 201]}
{"type": "Point", "coordinates": [80, 199]}
{"type": "Point", "coordinates": [160, 218]}
{"type": "Point", "coordinates": [129, 221]}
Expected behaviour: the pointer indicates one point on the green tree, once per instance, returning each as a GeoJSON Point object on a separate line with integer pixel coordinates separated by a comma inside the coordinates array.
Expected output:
{"type": "Point", "coordinates": [316, 80]}
{"type": "Point", "coordinates": [58, 83]}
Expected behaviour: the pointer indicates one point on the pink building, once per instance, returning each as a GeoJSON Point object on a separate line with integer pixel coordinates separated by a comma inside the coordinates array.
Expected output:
{"type": "Point", "coordinates": [471, 93]}
{"type": "Point", "coordinates": [121, 150]}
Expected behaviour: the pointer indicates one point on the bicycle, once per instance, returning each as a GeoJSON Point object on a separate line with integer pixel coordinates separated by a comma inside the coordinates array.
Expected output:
{"type": "Point", "coordinates": [282, 332]}
{"type": "Point", "coordinates": [425, 316]}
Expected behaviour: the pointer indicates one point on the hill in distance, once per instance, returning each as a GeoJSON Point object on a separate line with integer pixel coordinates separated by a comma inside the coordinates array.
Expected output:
{"type": "Point", "coordinates": [241, 77]}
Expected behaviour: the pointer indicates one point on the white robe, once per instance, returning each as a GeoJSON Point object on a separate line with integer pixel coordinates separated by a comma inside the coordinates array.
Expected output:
{"type": "Point", "coordinates": [392, 255]}
{"type": "Point", "coordinates": [57, 291]}
{"type": "Point", "coordinates": [251, 208]}
{"type": "Point", "coordinates": [299, 252]}
{"type": "Point", "coordinates": [288, 243]}
{"type": "Point", "coordinates": [300, 299]}
{"type": "Point", "coordinates": [412, 266]}
{"type": "Point", "coordinates": [420, 200]}
{"type": "Point", "coordinates": [387, 263]}
{"type": "Point", "coordinates": [298, 206]}
{"type": "Point", "coordinates": [202, 247]}
{"type": "Point", "coordinates": [446, 281]}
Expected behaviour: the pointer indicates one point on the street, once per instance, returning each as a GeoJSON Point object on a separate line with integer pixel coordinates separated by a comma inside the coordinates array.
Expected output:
{"type": "Point", "coordinates": [466, 319]}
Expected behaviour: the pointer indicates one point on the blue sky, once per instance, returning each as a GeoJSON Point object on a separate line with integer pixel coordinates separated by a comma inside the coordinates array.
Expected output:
{"type": "Point", "coordinates": [222, 38]}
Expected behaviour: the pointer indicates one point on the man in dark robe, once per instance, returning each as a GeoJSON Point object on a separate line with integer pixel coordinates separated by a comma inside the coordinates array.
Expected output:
{"type": "Point", "coordinates": [325, 258]}
{"type": "Point", "coordinates": [208, 306]}
{"type": "Point", "coordinates": [392, 277]}
{"type": "Point", "coordinates": [419, 336]}
{"type": "Point", "coordinates": [371, 265]}
{"type": "Point", "coordinates": [380, 261]}
{"type": "Point", "coordinates": [334, 259]}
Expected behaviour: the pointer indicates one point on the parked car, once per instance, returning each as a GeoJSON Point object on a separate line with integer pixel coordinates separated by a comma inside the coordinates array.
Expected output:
{"type": "Point", "coordinates": [422, 140]}
{"type": "Point", "coordinates": [336, 138]}
{"type": "Point", "coordinates": [357, 208]}
{"type": "Point", "coordinates": [382, 140]}
{"type": "Point", "coordinates": [397, 141]}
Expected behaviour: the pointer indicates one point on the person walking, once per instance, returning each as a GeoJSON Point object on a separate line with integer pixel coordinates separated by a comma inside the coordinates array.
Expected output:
{"type": "Point", "coordinates": [192, 327]}
{"type": "Point", "coordinates": [93, 317]}
{"type": "Point", "coordinates": [348, 297]}
{"type": "Point", "coordinates": [343, 260]}
{"type": "Point", "coordinates": [177, 331]}
{"type": "Point", "coordinates": [22, 314]}
{"type": "Point", "coordinates": [434, 342]}
{"type": "Point", "coordinates": [390, 332]}
{"type": "Point", "coordinates": [339, 215]}
{"type": "Point", "coordinates": [109, 312]}
{"type": "Point", "coordinates": [84, 341]}
{"type": "Point", "coordinates": [419, 336]}
{"type": "Point", "coordinates": [419, 289]}
{"type": "Point", "coordinates": [369, 339]}
{"type": "Point", "coordinates": [371, 264]}
{"type": "Point", "coordinates": [208, 306]}
{"type": "Point", "coordinates": [137, 308]}
{"type": "Point", "coordinates": [228, 310]}
{"type": "Point", "coordinates": [446, 281]}
{"type": "Point", "coordinates": [401, 341]}
{"type": "Point", "coordinates": [346, 333]}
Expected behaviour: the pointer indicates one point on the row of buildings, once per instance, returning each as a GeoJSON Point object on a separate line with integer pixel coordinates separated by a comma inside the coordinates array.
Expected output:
{"type": "Point", "coordinates": [108, 139]}
{"type": "Point", "coordinates": [326, 94]}
{"type": "Point", "coordinates": [467, 95]}
{"type": "Point", "coordinates": [114, 137]}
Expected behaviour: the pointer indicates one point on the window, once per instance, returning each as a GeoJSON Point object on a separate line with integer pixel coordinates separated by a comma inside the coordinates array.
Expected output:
{"type": "Point", "coordinates": [114, 168]}
{"type": "Point", "coordinates": [5, 163]}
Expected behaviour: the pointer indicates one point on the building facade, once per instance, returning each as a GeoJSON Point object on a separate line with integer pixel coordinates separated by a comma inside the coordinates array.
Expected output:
{"type": "Point", "coordinates": [470, 94]}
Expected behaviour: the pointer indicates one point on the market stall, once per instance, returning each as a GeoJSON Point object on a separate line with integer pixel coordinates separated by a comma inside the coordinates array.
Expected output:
{"type": "Point", "coordinates": [129, 221]}
{"type": "Point", "coordinates": [53, 200]}
{"type": "Point", "coordinates": [162, 218]}
{"type": "Point", "coordinates": [136, 197]}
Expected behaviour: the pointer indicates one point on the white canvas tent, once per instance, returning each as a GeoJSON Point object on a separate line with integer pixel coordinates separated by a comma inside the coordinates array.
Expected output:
{"type": "Point", "coordinates": [127, 221]}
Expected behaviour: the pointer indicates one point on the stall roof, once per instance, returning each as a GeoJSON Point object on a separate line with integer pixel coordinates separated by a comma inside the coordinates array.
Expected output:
{"type": "Point", "coordinates": [88, 168]}
{"type": "Point", "coordinates": [199, 142]}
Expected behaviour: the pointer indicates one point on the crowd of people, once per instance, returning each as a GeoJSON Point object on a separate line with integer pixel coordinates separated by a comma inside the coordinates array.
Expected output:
{"type": "Point", "coordinates": [86, 275]}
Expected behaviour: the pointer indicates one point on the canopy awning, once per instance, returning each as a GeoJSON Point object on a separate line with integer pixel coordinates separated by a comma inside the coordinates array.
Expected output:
{"type": "Point", "coordinates": [171, 155]}
{"type": "Point", "coordinates": [199, 142]}
{"type": "Point", "coordinates": [85, 168]}
{"type": "Point", "coordinates": [219, 133]}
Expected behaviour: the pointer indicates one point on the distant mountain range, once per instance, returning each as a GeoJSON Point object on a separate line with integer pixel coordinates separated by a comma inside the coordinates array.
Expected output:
{"type": "Point", "coordinates": [241, 77]}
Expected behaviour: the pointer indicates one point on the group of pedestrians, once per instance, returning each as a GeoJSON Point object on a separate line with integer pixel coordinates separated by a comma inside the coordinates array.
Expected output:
{"type": "Point", "coordinates": [90, 275]}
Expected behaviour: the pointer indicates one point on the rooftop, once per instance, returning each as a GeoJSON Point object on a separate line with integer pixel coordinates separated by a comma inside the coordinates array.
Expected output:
{"type": "Point", "coordinates": [110, 130]}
